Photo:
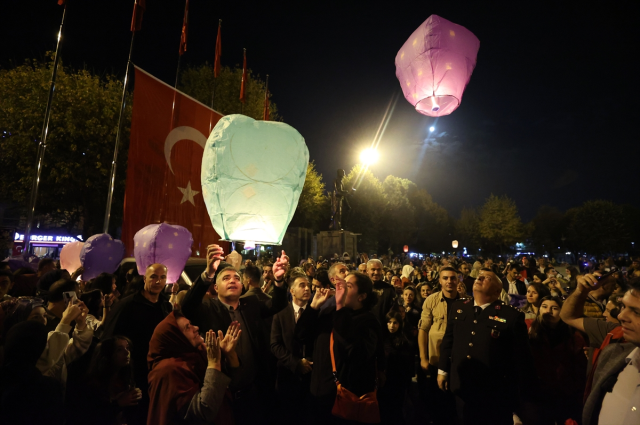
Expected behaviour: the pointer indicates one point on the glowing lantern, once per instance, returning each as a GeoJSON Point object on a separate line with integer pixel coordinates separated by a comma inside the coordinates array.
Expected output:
{"type": "Point", "coordinates": [100, 254]}
{"type": "Point", "coordinates": [70, 256]}
{"type": "Point", "coordinates": [454, 244]}
{"type": "Point", "coordinates": [406, 248]}
{"type": "Point", "coordinates": [435, 64]}
{"type": "Point", "coordinates": [164, 244]}
{"type": "Point", "coordinates": [252, 177]}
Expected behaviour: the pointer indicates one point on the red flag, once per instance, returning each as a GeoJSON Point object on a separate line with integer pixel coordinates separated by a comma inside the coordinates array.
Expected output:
{"type": "Point", "coordinates": [265, 113]}
{"type": "Point", "coordinates": [185, 29]}
{"type": "Point", "coordinates": [163, 176]}
{"type": "Point", "coordinates": [244, 77]}
{"type": "Point", "coordinates": [216, 62]}
{"type": "Point", "coordinates": [138, 9]}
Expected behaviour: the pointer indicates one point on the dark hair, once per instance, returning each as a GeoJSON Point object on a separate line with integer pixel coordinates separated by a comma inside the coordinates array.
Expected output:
{"type": "Point", "coordinates": [60, 287]}
{"type": "Point", "coordinates": [23, 270]}
{"type": "Point", "coordinates": [48, 279]}
{"type": "Point", "coordinates": [307, 266]}
{"type": "Point", "coordinates": [131, 273]}
{"type": "Point", "coordinates": [395, 315]}
{"type": "Point", "coordinates": [253, 273]}
{"type": "Point", "coordinates": [45, 262]}
{"type": "Point", "coordinates": [4, 265]}
{"type": "Point", "coordinates": [134, 286]}
{"type": "Point", "coordinates": [541, 276]}
{"type": "Point", "coordinates": [365, 286]}
{"type": "Point", "coordinates": [101, 368]}
{"type": "Point", "coordinates": [93, 301]}
{"type": "Point", "coordinates": [633, 285]}
{"type": "Point", "coordinates": [451, 269]}
{"type": "Point", "coordinates": [7, 273]}
{"type": "Point", "coordinates": [25, 343]}
{"type": "Point", "coordinates": [539, 331]}
{"type": "Point", "coordinates": [103, 282]}
{"type": "Point", "coordinates": [547, 269]}
{"type": "Point", "coordinates": [323, 277]}
{"type": "Point", "coordinates": [17, 310]}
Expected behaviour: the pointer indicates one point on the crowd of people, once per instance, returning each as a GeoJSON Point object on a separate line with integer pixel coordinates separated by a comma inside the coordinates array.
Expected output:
{"type": "Point", "coordinates": [442, 340]}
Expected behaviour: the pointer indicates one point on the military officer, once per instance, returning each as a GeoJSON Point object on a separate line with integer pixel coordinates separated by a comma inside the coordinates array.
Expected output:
{"type": "Point", "coordinates": [485, 357]}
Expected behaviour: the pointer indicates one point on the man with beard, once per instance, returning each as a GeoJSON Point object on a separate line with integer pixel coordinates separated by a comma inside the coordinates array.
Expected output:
{"type": "Point", "coordinates": [387, 295]}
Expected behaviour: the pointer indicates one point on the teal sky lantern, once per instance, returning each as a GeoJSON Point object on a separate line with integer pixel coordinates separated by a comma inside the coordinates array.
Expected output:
{"type": "Point", "coordinates": [252, 176]}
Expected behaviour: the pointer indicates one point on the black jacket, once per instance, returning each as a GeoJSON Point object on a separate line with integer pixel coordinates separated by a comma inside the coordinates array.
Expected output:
{"type": "Point", "coordinates": [287, 349]}
{"type": "Point", "coordinates": [520, 286]}
{"type": "Point", "coordinates": [487, 356]}
{"type": "Point", "coordinates": [212, 314]}
{"type": "Point", "coordinates": [387, 297]}
{"type": "Point", "coordinates": [136, 318]}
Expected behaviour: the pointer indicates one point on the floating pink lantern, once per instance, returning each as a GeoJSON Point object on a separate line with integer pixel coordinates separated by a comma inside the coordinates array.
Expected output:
{"type": "Point", "coordinates": [435, 64]}
{"type": "Point", "coordinates": [70, 256]}
{"type": "Point", "coordinates": [100, 254]}
{"type": "Point", "coordinates": [164, 244]}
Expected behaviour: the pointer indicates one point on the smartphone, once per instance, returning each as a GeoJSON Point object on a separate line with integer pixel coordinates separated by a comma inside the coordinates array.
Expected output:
{"type": "Point", "coordinates": [70, 297]}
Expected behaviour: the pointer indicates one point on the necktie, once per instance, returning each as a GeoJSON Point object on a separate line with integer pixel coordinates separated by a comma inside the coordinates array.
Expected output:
{"type": "Point", "coordinates": [300, 310]}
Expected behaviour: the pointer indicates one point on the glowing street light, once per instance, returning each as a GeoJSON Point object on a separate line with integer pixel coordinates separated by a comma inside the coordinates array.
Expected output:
{"type": "Point", "coordinates": [369, 156]}
{"type": "Point", "coordinates": [432, 129]}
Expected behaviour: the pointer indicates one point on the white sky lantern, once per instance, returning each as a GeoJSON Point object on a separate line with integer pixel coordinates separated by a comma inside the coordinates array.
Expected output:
{"type": "Point", "coordinates": [252, 176]}
{"type": "Point", "coordinates": [454, 244]}
{"type": "Point", "coordinates": [435, 64]}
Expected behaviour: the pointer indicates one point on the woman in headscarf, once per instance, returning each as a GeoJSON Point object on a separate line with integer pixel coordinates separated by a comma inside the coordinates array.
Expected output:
{"type": "Point", "coordinates": [27, 397]}
{"type": "Point", "coordinates": [186, 383]}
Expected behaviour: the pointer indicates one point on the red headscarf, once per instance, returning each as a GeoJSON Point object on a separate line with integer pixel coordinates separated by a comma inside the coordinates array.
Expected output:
{"type": "Point", "coordinates": [176, 371]}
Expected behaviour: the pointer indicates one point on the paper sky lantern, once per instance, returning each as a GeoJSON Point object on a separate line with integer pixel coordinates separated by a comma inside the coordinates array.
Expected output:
{"type": "Point", "coordinates": [454, 244]}
{"type": "Point", "coordinates": [406, 248]}
{"type": "Point", "coordinates": [70, 256]}
{"type": "Point", "coordinates": [252, 176]}
{"type": "Point", "coordinates": [435, 64]}
{"type": "Point", "coordinates": [100, 254]}
{"type": "Point", "coordinates": [164, 244]}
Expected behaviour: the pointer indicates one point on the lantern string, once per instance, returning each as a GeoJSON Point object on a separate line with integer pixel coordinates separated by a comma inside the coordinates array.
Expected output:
{"type": "Point", "coordinates": [376, 140]}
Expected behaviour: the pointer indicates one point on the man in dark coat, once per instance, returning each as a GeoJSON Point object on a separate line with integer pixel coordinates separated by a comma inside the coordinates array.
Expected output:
{"type": "Point", "coordinates": [249, 383]}
{"type": "Point", "coordinates": [136, 317]}
{"type": "Point", "coordinates": [511, 283]}
{"type": "Point", "coordinates": [485, 358]}
{"type": "Point", "coordinates": [387, 295]}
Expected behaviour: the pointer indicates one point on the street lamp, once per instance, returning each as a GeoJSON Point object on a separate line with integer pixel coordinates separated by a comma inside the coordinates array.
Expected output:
{"type": "Point", "coordinates": [369, 156]}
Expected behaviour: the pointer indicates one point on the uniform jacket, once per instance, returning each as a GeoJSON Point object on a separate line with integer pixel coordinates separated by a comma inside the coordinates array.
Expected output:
{"type": "Point", "coordinates": [434, 322]}
{"type": "Point", "coordinates": [487, 356]}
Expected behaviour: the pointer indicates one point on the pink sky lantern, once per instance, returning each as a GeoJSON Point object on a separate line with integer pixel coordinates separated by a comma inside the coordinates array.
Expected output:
{"type": "Point", "coordinates": [70, 256]}
{"type": "Point", "coordinates": [100, 254]}
{"type": "Point", "coordinates": [435, 64]}
{"type": "Point", "coordinates": [164, 244]}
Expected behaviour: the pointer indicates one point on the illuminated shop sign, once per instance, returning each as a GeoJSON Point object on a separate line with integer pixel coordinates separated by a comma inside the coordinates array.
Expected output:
{"type": "Point", "coordinates": [45, 238]}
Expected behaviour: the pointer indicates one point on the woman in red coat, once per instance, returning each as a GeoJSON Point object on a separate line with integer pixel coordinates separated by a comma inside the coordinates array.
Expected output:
{"type": "Point", "coordinates": [560, 363]}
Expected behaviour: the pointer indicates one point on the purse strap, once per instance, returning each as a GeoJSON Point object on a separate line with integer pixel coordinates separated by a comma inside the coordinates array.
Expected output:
{"type": "Point", "coordinates": [333, 363]}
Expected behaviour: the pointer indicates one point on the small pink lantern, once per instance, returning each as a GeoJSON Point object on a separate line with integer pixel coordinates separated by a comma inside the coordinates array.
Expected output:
{"type": "Point", "coordinates": [435, 64]}
{"type": "Point", "coordinates": [163, 244]}
{"type": "Point", "coordinates": [406, 248]}
{"type": "Point", "coordinates": [70, 256]}
{"type": "Point", "coordinates": [100, 254]}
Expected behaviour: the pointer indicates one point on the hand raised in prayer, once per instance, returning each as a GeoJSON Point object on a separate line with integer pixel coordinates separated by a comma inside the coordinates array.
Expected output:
{"type": "Point", "coordinates": [215, 254]}
{"type": "Point", "coordinates": [229, 341]}
{"type": "Point", "coordinates": [213, 350]}
{"type": "Point", "coordinates": [280, 268]}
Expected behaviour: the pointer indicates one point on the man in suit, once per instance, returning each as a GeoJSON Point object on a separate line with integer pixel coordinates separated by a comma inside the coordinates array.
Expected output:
{"type": "Point", "coordinates": [614, 396]}
{"type": "Point", "coordinates": [511, 282]}
{"type": "Point", "coordinates": [485, 359]}
{"type": "Point", "coordinates": [294, 367]}
{"type": "Point", "coordinates": [251, 283]}
{"type": "Point", "coordinates": [387, 295]}
{"type": "Point", "coordinates": [250, 382]}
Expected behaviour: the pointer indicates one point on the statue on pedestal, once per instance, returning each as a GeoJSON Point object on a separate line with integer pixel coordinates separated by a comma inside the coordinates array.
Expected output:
{"type": "Point", "coordinates": [339, 203]}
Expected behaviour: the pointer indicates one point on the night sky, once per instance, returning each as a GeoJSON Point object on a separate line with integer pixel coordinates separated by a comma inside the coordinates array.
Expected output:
{"type": "Point", "coordinates": [550, 116]}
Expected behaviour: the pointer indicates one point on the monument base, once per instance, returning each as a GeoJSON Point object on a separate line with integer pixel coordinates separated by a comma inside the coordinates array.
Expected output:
{"type": "Point", "coordinates": [331, 242]}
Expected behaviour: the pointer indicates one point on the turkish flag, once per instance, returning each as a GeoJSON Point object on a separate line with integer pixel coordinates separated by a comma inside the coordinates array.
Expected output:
{"type": "Point", "coordinates": [216, 62]}
{"type": "Point", "coordinates": [244, 77]}
{"type": "Point", "coordinates": [139, 7]}
{"type": "Point", "coordinates": [168, 133]}
{"type": "Point", "coordinates": [185, 30]}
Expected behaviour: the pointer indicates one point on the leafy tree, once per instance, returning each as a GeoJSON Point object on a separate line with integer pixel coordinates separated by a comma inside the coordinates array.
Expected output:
{"type": "Point", "coordinates": [433, 224]}
{"type": "Point", "coordinates": [314, 208]}
{"type": "Point", "coordinates": [367, 205]}
{"type": "Point", "coordinates": [198, 82]}
{"type": "Point", "coordinates": [468, 229]}
{"type": "Point", "coordinates": [77, 161]}
{"type": "Point", "coordinates": [398, 223]}
{"type": "Point", "coordinates": [601, 227]}
{"type": "Point", "coordinates": [548, 229]}
{"type": "Point", "coordinates": [500, 223]}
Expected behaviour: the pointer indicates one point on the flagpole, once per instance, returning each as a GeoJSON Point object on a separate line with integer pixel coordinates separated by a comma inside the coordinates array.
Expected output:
{"type": "Point", "coordinates": [42, 146]}
{"type": "Point", "coordinates": [112, 178]}
{"type": "Point", "coordinates": [266, 97]}
{"type": "Point", "coordinates": [213, 92]}
{"type": "Point", "coordinates": [242, 81]}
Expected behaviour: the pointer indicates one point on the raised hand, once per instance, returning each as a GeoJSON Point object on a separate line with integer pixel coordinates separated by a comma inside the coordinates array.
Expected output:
{"type": "Point", "coordinates": [130, 397]}
{"type": "Point", "coordinates": [341, 293]}
{"type": "Point", "coordinates": [280, 268]}
{"type": "Point", "coordinates": [215, 254]}
{"type": "Point", "coordinates": [229, 341]}
{"type": "Point", "coordinates": [70, 314]}
{"type": "Point", "coordinates": [321, 297]}
{"type": "Point", "coordinates": [213, 350]}
{"type": "Point", "coordinates": [81, 320]}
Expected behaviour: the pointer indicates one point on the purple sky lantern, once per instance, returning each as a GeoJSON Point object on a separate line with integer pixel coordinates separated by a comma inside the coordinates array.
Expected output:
{"type": "Point", "coordinates": [165, 244]}
{"type": "Point", "coordinates": [435, 64]}
{"type": "Point", "coordinates": [100, 254]}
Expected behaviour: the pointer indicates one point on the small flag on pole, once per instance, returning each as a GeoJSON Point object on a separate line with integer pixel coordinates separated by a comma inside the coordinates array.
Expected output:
{"type": "Point", "coordinates": [185, 29]}
{"type": "Point", "coordinates": [216, 62]}
{"type": "Point", "coordinates": [244, 77]}
{"type": "Point", "coordinates": [138, 9]}
{"type": "Point", "coordinates": [265, 113]}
